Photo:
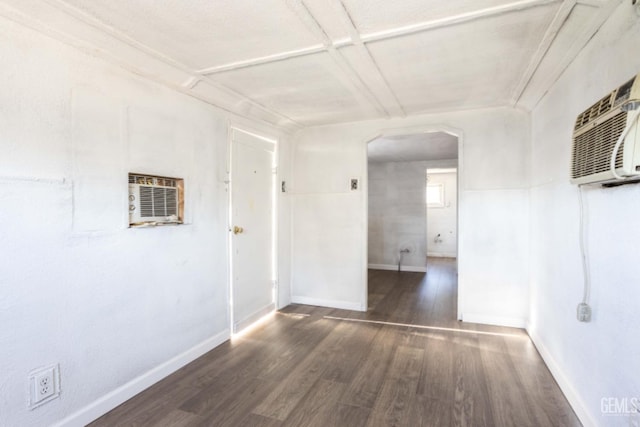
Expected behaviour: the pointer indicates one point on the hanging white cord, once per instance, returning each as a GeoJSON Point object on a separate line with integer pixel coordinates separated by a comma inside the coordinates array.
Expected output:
{"type": "Point", "coordinates": [616, 148]}
{"type": "Point", "coordinates": [583, 250]}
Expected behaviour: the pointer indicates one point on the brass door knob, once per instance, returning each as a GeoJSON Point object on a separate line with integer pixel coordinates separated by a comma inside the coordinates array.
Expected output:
{"type": "Point", "coordinates": [237, 230]}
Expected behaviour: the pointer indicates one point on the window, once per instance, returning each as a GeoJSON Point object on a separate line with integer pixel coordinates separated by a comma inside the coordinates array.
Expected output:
{"type": "Point", "coordinates": [435, 195]}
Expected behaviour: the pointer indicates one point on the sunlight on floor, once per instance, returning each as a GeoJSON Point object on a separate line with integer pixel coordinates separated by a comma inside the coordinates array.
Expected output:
{"type": "Point", "coordinates": [434, 328]}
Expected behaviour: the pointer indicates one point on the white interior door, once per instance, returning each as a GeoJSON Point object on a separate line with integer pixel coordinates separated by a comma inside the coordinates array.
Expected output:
{"type": "Point", "coordinates": [252, 228]}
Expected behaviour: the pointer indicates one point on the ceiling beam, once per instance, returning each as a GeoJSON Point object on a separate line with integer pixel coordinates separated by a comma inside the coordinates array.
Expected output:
{"type": "Point", "coordinates": [353, 79]}
{"type": "Point", "coordinates": [373, 74]}
{"type": "Point", "coordinates": [454, 20]}
{"type": "Point", "coordinates": [549, 36]}
{"type": "Point", "coordinates": [591, 3]}
{"type": "Point", "coordinates": [263, 60]}
{"type": "Point", "coordinates": [356, 38]}
{"type": "Point", "coordinates": [579, 42]}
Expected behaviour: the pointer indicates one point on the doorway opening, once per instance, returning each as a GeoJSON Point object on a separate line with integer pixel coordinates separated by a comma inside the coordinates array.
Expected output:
{"type": "Point", "coordinates": [413, 202]}
{"type": "Point", "coordinates": [442, 213]}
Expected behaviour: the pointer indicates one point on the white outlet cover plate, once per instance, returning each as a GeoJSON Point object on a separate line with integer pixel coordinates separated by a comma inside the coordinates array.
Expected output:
{"type": "Point", "coordinates": [44, 385]}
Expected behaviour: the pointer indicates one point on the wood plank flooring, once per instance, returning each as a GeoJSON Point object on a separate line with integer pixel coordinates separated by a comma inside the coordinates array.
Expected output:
{"type": "Point", "coordinates": [312, 366]}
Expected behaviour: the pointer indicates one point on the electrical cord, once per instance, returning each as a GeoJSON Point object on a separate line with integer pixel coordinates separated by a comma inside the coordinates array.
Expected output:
{"type": "Point", "coordinates": [616, 148]}
{"type": "Point", "coordinates": [583, 309]}
{"type": "Point", "coordinates": [583, 249]}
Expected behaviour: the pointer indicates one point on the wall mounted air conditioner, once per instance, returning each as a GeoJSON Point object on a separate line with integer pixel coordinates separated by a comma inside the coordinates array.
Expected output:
{"type": "Point", "coordinates": [153, 199]}
{"type": "Point", "coordinates": [596, 132]}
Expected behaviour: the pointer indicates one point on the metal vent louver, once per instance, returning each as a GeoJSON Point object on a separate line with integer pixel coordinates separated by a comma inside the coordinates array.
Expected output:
{"type": "Point", "coordinates": [598, 129]}
{"type": "Point", "coordinates": [591, 149]}
{"type": "Point", "coordinates": [153, 199]}
{"type": "Point", "coordinates": [596, 110]}
{"type": "Point", "coordinates": [146, 201]}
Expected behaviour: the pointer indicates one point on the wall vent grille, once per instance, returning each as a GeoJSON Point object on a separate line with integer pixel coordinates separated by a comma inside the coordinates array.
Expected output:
{"type": "Point", "coordinates": [591, 149]}
{"type": "Point", "coordinates": [595, 111]}
{"type": "Point", "coordinates": [596, 133]}
{"type": "Point", "coordinates": [153, 180]}
{"type": "Point", "coordinates": [155, 199]}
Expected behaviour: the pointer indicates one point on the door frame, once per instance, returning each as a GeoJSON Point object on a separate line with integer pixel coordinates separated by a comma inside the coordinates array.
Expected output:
{"type": "Point", "coordinates": [231, 128]}
{"type": "Point", "coordinates": [407, 130]}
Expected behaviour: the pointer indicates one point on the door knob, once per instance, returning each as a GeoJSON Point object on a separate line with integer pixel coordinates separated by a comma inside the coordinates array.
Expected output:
{"type": "Point", "coordinates": [237, 230]}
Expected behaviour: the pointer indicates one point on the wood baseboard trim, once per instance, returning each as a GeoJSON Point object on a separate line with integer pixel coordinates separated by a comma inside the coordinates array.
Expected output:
{"type": "Point", "coordinates": [125, 392]}
{"type": "Point", "coordinates": [343, 305]}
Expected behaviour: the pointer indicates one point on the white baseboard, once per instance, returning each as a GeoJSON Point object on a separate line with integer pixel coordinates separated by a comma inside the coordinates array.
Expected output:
{"type": "Point", "coordinates": [252, 318]}
{"type": "Point", "coordinates": [567, 389]}
{"type": "Point", "coordinates": [125, 392]}
{"type": "Point", "coordinates": [343, 305]}
{"type": "Point", "coordinates": [512, 322]}
{"type": "Point", "coordinates": [392, 267]}
{"type": "Point", "coordinates": [442, 254]}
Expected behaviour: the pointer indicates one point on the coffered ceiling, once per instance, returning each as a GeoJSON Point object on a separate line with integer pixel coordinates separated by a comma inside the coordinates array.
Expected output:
{"type": "Point", "coordinates": [297, 63]}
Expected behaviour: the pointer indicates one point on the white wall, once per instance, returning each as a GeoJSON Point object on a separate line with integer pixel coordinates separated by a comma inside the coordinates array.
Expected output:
{"type": "Point", "coordinates": [284, 222]}
{"type": "Point", "coordinates": [77, 287]}
{"type": "Point", "coordinates": [442, 225]}
{"type": "Point", "coordinates": [598, 359]}
{"type": "Point", "coordinates": [397, 212]}
{"type": "Point", "coordinates": [330, 222]}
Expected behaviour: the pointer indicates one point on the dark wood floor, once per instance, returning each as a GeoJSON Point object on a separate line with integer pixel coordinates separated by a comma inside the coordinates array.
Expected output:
{"type": "Point", "coordinates": [308, 366]}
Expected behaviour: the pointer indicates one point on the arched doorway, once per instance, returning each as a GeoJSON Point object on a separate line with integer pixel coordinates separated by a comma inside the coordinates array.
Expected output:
{"type": "Point", "coordinates": [401, 236]}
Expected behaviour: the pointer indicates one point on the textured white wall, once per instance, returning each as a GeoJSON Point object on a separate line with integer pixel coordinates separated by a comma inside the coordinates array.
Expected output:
{"type": "Point", "coordinates": [443, 220]}
{"type": "Point", "coordinates": [284, 222]}
{"type": "Point", "coordinates": [397, 212]}
{"type": "Point", "coordinates": [330, 222]}
{"type": "Point", "coordinates": [77, 287]}
{"type": "Point", "coordinates": [598, 359]}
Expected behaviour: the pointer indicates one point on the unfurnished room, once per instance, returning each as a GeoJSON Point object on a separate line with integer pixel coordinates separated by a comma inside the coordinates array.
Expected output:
{"type": "Point", "coordinates": [319, 213]}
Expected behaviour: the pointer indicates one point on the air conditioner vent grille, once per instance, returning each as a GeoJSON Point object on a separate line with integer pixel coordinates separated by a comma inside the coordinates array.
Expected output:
{"type": "Point", "coordinates": [146, 201]}
{"type": "Point", "coordinates": [171, 200]}
{"type": "Point", "coordinates": [592, 149]}
{"type": "Point", "coordinates": [155, 200]}
{"type": "Point", "coordinates": [158, 201]}
{"type": "Point", "coordinates": [595, 111]}
{"type": "Point", "coordinates": [152, 180]}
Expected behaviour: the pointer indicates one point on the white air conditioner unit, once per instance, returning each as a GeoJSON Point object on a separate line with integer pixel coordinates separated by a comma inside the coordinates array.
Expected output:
{"type": "Point", "coordinates": [153, 200]}
{"type": "Point", "coordinates": [596, 132]}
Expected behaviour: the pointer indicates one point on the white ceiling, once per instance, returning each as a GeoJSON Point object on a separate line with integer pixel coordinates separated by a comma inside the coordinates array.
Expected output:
{"type": "Point", "coordinates": [415, 147]}
{"type": "Point", "coordinates": [297, 63]}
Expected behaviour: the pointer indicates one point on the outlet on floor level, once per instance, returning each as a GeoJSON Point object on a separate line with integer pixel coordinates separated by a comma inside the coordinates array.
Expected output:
{"type": "Point", "coordinates": [44, 385]}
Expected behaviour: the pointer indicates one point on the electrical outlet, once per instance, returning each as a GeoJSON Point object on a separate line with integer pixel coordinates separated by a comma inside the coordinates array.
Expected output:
{"type": "Point", "coordinates": [354, 184]}
{"type": "Point", "coordinates": [44, 385]}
